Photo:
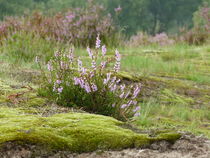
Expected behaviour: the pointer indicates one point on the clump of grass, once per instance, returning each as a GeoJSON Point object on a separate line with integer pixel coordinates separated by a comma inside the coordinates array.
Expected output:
{"type": "Point", "coordinates": [179, 61]}
{"type": "Point", "coordinates": [23, 47]}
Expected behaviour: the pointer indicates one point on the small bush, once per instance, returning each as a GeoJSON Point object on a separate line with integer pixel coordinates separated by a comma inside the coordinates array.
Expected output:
{"type": "Point", "coordinates": [196, 36]}
{"type": "Point", "coordinates": [139, 39]}
{"type": "Point", "coordinates": [201, 31]}
{"type": "Point", "coordinates": [95, 88]}
{"type": "Point", "coordinates": [161, 39]}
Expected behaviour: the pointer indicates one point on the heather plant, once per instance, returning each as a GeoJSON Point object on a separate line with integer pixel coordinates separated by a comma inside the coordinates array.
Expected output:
{"type": "Point", "coordinates": [141, 38]}
{"type": "Point", "coordinates": [201, 31]}
{"type": "Point", "coordinates": [161, 39]}
{"type": "Point", "coordinates": [9, 26]}
{"type": "Point", "coordinates": [94, 87]}
{"type": "Point", "coordinates": [78, 26]}
{"type": "Point", "coordinates": [202, 18]}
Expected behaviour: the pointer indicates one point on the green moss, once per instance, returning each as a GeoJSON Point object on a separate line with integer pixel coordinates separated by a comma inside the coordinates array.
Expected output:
{"type": "Point", "coordinates": [27, 97]}
{"type": "Point", "coordinates": [128, 76]}
{"type": "Point", "coordinates": [77, 132]}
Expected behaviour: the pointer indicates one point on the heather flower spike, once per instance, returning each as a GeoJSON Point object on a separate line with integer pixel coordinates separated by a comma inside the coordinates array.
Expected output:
{"type": "Point", "coordinates": [58, 81]}
{"type": "Point", "coordinates": [104, 50]}
{"type": "Point", "coordinates": [103, 64]}
{"type": "Point", "coordinates": [117, 58]}
{"type": "Point", "coordinates": [136, 109]}
{"type": "Point", "coordinates": [49, 66]}
{"type": "Point", "coordinates": [90, 52]}
{"type": "Point", "coordinates": [60, 90]}
{"type": "Point", "coordinates": [118, 9]}
{"type": "Point", "coordinates": [71, 55]}
{"type": "Point", "coordinates": [36, 59]}
{"type": "Point", "coordinates": [98, 42]}
{"type": "Point", "coordinates": [137, 114]}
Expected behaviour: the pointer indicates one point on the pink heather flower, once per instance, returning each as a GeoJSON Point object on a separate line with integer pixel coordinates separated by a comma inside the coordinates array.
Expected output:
{"type": "Point", "coordinates": [58, 81]}
{"type": "Point", "coordinates": [137, 114]}
{"type": "Point", "coordinates": [113, 105]}
{"type": "Point", "coordinates": [118, 81]}
{"type": "Point", "coordinates": [118, 9]}
{"type": "Point", "coordinates": [122, 87]}
{"type": "Point", "coordinates": [121, 95]}
{"type": "Point", "coordinates": [93, 64]}
{"type": "Point", "coordinates": [103, 64]}
{"type": "Point", "coordinates": [124, 106]}
{"type": "Point", "coordinates": [114, 79]}
{"type": "Point", "coordinates": [134, 102]}
{"type": "Point", "coordinates": [56, 54]}
{"type": "Point", "coordinates": [76, 81]}
{"type": "Point", "coordinates": [113, 88]}
{"type": "Point", "coordinates": [70, 17]}
{"type": "Point", "coordinates": [60, 90]}
{"type": "Point", "coordinates": [63, 65]}
{"type": "Point", "coordinates": [117, 55]}
{"type": "Point", "coordinates": [90, 52]}
{"type": "Point", "coordinates": [98, 42]}
{"type": "Point", "coordinates": [104, 50]}
{"type": "Point", "coordinates": [108, 75]}
{"type": "Point", "coordinates": [79, 64]}
{"type": "Point", "coordinates": [92, 74]}
{"type": "Point", "coordinates": [136, 109]}
{"type": "Point", "coordinates": [94, 87]}
{"type": "Point", "coordinates": [130, 102]}
{"type": "Point", "coordinates": [87, 88]}
{"type": "Point", "coordinates": [118, 58]}
{"type": "Point", "coordinates": [54, 87]}
{"type": "Point", "coordinates": [81, 83]}
{"type": "Point", "coordinates": [127, 94]}
{"type": "Point", "coordinates": [105, 81]}
{"type": "Point", "coordinates": [136, 92]}
{"type": "Point", "coordinates": [71, 55]}
{"type": "Point", "coordinates": [83, 71]}
{"type": "Point", "coordinates": [49, 66]}
{"type": "Point", "coordinates": [36, 59]}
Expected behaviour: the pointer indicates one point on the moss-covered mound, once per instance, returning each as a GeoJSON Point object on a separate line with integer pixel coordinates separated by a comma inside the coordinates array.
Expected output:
{"type": "Point", "coordinates": [76, 132]}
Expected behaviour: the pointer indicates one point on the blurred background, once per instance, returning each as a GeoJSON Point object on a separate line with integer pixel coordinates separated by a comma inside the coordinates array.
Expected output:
{"type": "Point", "coordinates": [151, 16]}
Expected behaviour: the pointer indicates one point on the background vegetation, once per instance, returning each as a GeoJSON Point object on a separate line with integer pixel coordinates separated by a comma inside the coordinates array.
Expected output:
{"type": "Point", "coordinates": [152, 16]}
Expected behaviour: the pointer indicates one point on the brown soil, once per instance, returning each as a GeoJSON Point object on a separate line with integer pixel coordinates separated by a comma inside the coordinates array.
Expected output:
{"type": "Point", "coordinates": [189, 146]}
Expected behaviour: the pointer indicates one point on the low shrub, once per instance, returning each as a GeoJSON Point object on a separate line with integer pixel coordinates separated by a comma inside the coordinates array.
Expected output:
{"type": "Point", "coordinates": [78, 26]}
{"type": "Point", "coordinates": [94, 87]}
{"type": "Point", "coordinates": [141, 38]}
{"type": "Point", "coordinates": [10, 25]}
{"type": "Point", "coordinates": [196, 36]}
{"type": "Point", "coordinates": [201, 32]}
